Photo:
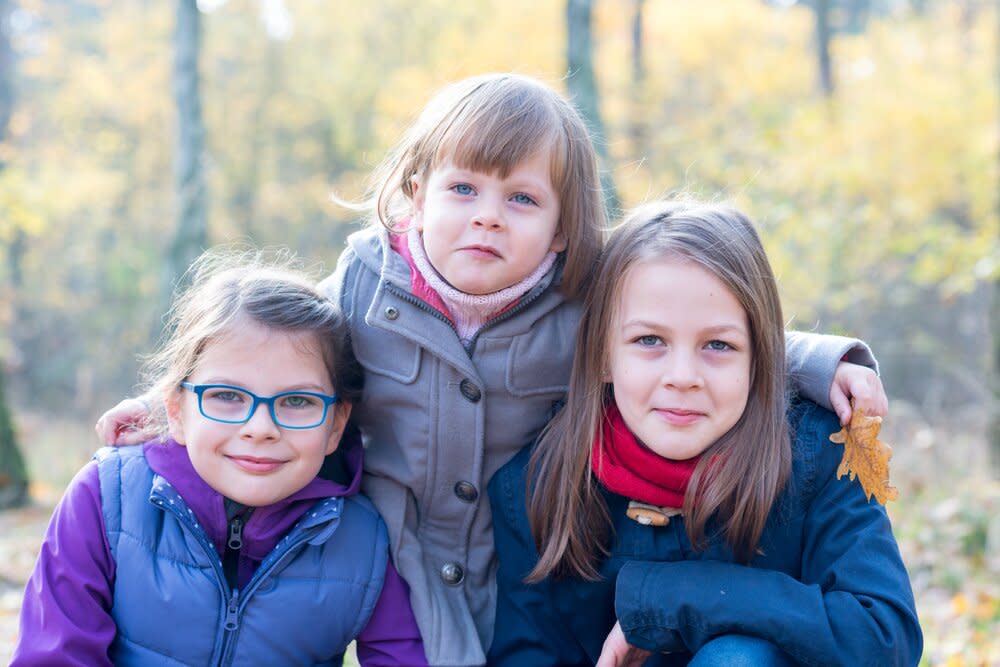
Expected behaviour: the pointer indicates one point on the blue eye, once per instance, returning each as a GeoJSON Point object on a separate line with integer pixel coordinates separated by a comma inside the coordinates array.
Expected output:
{"type": "Point", "coordinates": [719, 346]}
{"type": "Point", "coordinates": [522, 198]}
{"type": "Point", "coordinates": [648, 340]}
{"type": "Point", "coordinates": [463, 189]}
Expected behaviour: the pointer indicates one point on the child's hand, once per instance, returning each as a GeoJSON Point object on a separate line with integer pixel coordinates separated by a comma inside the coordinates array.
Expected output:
{"type": "Point", "coordinates": [122, 424]}
{"type": "Point", "coordinates": [863, 385]}
{"type": "Point", "coordinates": [617, 652]}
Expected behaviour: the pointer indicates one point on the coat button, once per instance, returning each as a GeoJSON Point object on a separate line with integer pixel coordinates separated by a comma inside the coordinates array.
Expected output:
{"type": "Point", "coordinates": [470, 391]}
{"type": "Point", "coordinates": [391, 312]}
{"type": "Point", "coordinates": [452, 574]}
{"type": "Point", "coordinates": [466, 491]}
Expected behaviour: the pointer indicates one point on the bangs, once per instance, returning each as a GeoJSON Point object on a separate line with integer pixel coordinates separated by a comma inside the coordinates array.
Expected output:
{"type": "Point", "coordinates": [498, 137]}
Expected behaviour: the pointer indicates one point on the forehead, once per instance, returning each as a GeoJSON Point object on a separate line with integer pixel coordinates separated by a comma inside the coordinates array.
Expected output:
{"type": "Point", "coordinates": [250, 348]}
{"type": "Point", "coordinates": [673, 290]}
{"type": "Point", "coordinates": [488, 145]}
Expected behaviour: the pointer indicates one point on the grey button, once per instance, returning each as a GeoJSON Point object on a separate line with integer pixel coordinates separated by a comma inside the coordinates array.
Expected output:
{"type": "Point", "coordinates": [391, 312]}
{"type": "Point", "coordinates": [466, 491]}
{"type": "Point", "coordinates": [470, 391]}
{"type": "Point", "coordinates": [452, 574]}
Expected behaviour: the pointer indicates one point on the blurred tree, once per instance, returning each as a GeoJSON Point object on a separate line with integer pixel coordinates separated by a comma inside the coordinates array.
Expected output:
{"type": "Point", "coordinates": [583, 89]}
{"type": "Point", "coordinates": [824, 35]}
{"type": "Point", "coordinates": [191, 235]}
{"type": "Point", "coordinates": [637, 125]}
{"type": "Point", "coordinates": [13, 474]}
{"type": "Point", "coordinates": [995, 310]}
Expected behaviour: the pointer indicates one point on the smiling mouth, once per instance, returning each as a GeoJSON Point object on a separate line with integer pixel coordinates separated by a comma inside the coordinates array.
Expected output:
{"type": "Point", "coordinates": [678, 417]}
{"type": "Point", "coordinates": [256, 465]}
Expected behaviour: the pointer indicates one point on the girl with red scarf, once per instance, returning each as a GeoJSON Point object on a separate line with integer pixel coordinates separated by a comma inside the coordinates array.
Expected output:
{"type": "Point", "coordinates": [681, 508]}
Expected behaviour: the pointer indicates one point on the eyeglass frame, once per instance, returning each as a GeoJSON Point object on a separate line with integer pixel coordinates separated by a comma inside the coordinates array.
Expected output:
{"type": "Point", "coordinates": [199, 389]}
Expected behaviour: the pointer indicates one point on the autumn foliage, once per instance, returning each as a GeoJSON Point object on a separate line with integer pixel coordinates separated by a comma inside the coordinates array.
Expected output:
{"type": "Point", "coordinates": [865, 456]}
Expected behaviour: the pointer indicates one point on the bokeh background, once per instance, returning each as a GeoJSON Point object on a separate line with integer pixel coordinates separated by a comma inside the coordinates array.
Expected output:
{"type": "Point", "coordinates": [862, 135]}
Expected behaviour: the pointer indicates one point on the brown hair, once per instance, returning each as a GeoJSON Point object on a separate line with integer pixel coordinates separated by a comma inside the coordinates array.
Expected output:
{"type": "Point", "coordinates": [492, 123]}
{"type": "Point", "coordinates": [750, 463]}
{"type": "Point", "coordinates": [229, 286]}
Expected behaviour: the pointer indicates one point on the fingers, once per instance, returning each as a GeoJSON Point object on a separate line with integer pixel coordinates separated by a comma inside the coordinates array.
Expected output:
{"type": "Point", "coordinates": [869, 395]}
{"type": "Point", "coordinates": [840, 404]}
{"type": "Point", "coordinates": [122, 424]}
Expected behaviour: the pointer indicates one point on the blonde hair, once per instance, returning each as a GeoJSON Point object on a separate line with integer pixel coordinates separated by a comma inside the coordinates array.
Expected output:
{"type": "Point", "coordinates": [492, 123]}
{"type": "Point", "coordinates": [750, 463]}
{"type": "Point", "coordinates": [229, 287]}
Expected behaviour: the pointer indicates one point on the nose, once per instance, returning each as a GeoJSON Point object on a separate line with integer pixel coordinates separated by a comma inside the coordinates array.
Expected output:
{"type": "Point", "coordinates": [488, 215]}
{"type": "Point", "coordinates": [681, 370]}
{"type": "Point", "coordinates": [261, 425]}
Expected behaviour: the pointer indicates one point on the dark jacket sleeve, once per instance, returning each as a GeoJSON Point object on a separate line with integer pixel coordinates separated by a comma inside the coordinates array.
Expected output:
{"type": "Point", "coordinates": [852, 604]}
{"type": "Point", "coordinates": [528, 629]}
{"type": "Point", "coordinates": [66, 612]}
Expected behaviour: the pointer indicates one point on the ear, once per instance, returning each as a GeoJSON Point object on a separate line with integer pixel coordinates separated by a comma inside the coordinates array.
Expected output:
{"type": "Point", "coordinates": [558, 242]}
{"type": "Point", "coordinates": [175, 420]}
{"type": "Point", "coordinates": [417, 195]}
{"type": "Point", "coordinates": [341, 413]}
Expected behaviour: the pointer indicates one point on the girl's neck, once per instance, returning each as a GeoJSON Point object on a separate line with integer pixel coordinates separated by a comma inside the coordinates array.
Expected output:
{"type": "Point", "coordinates": [470, 312]}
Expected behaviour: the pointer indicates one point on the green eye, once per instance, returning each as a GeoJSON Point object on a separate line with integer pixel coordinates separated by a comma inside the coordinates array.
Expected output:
{"type": "Point", "coordinates": [299, 401]}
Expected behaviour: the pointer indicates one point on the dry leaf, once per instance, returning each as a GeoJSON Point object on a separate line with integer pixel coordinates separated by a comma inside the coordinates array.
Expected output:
{"type": "Point", "coordinates": [865, 456]}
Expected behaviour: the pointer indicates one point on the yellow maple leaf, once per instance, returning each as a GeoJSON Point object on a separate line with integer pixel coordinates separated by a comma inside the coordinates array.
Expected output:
{"type": "Point", "coordinates": [865, 456]}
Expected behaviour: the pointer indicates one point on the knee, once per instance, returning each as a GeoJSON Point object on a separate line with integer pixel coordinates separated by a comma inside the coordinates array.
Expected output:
{"type": "Point", "coordinates": [740, 651]}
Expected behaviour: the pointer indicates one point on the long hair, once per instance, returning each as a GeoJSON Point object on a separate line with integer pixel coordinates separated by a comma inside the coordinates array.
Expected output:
{"type": "Point", "coordinates": [493, 123]}
{"type": "Point", "coordinates": [230, 287]}
{"type": "Point", "coordinates": [749, 464]}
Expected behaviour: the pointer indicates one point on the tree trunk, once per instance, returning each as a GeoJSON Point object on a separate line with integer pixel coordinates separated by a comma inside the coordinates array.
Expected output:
{"type": "Point", "coordinates": [824, 35]}
{"type": "Point", "coordinates": [13, 474]}
{"type": "Point", "coordinates": [191, 235]}
{"type": "Point", "coordinates": [583, 89]}
{"type": "Point", "coordinates": [637, 125]}
{"type": "Point", "coordinates": [994, 436]}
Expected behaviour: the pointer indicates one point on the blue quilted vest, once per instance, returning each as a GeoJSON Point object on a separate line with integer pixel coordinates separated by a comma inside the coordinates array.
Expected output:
{"type": "Point", "coordinates": [309, 598]}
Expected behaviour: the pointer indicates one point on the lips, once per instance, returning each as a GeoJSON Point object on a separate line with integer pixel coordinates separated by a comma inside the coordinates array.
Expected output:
{"type": "Point", "coordinates": [256, 465]}
{"type": "Point", "coordinates": [484, 251]}
{"type": "Point", "coordinates": [680, 417]}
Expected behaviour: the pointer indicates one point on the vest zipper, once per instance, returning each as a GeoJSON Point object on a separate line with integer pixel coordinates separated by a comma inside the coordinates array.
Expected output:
{"type": "Point", "coordinates": [231, 561]}
{"type": "Point", "coordinates": [236, 601]}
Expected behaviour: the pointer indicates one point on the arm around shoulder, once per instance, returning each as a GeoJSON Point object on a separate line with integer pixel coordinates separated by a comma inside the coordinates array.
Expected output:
{"type": "Point", "coordinates": [812, 361]}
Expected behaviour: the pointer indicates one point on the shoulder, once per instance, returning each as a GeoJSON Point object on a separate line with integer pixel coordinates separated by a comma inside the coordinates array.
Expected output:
{"type": "Point", "coordinates": [810, 428]}
{"type": "Point", "coordinates": [511, 476]}
{"type": "Point", "coordinates": [508, 495]}
{"type": "Point", "coordinates": [363, 507]}
{"type": "Point", "coordinates": [814, 457]}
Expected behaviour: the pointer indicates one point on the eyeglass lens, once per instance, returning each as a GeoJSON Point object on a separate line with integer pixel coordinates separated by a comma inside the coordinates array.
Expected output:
{"type": "Point", "coordinates": [233, 405]}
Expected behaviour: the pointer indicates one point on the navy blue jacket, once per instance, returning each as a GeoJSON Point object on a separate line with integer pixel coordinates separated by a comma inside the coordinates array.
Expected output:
{"type": "Point", "coordinates": [828, 585]}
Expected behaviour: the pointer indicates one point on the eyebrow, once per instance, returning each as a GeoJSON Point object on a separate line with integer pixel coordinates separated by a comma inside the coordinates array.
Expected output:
{"type": "Point", "coordinates": [301, 387]}
{"type": "Point", "coordinates": [716, 329]}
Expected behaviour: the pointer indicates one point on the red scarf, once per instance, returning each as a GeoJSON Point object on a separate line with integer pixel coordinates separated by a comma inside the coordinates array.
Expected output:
{"type": "Point", "coordinates": [627, 467]}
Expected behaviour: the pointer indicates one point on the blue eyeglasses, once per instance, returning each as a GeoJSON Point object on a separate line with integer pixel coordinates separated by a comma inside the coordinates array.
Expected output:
{"type": "Point", "coordinates": [235, 405]}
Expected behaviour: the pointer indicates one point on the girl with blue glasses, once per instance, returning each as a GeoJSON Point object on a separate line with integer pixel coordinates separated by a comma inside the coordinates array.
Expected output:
{"type": "Point", "coordinates": [222, 526]}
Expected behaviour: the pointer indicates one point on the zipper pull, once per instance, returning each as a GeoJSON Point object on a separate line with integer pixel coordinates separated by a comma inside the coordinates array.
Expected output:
{"type": "Point", "coordinates": [235, 534]}
{"type": "Point", "coordinates": [232, 621]}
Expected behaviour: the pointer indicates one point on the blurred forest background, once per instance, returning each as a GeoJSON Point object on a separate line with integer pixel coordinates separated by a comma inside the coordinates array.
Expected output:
{"type": "Point", "coordinates": [862, 135]}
